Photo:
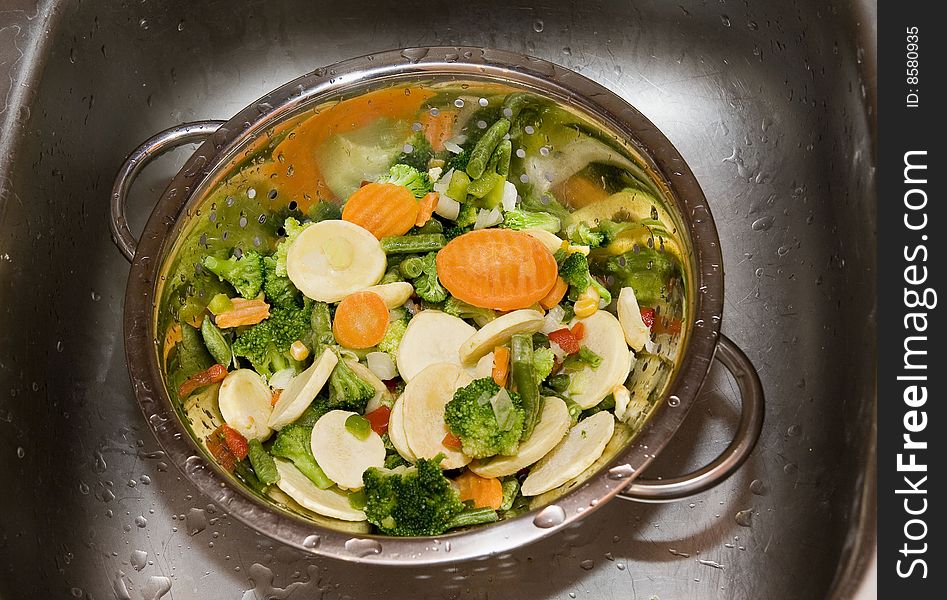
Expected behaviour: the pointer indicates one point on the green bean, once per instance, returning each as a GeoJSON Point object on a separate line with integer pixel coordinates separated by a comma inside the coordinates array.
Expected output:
{"type": "Point", "coordinates": [411, 267]}
{"type": "Point", "coordinates": [515, 103]}
{"type": "Point", "coordinates": [474, 516]}
{"type": "Point", "coordinates": [479, 188]}
{"type": "Point", "coordinates": [500, 160]}
{"type": "Point", "coordinates": [216, 343]}
{"type": "Point", "coordinates": [410, 244]}
{"type": "Point", "coordinates": [480, 154]}
{"type": "Point", "coordinates": [432, 226]}
{"type": "Point", "coordinates": [521, 367]}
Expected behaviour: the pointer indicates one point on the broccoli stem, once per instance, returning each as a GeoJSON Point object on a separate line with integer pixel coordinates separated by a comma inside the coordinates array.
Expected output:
{"type": "Point", "coordinates": [412, 244]}
{"type": "Point", "coordinates": [411, 267]}
{"type": "Point", "coordinates": [457, 188]}
{"type": "Point", "coordinates": [216, 343]}
{"type": "Point", "coordinates": [480, 155]}
{"type": "Point", "coordinates": [521, 367]}
{"type": "Point", "coordinates": [474, 516]}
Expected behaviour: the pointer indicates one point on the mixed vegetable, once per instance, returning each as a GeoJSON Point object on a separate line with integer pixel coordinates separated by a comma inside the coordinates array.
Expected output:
{"type": "Point", "coordinates": [438, 316]}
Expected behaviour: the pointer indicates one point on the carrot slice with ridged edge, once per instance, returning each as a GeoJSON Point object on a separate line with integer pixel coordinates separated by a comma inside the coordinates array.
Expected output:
{"type": "Point", "coordinates": [500, 269]}
{"type": "Point", "coordinates": [360, 320]}
{"type": "Point", "coordinates": [486, 492]}
{"type": "Point", "coordinates": [384, 209]}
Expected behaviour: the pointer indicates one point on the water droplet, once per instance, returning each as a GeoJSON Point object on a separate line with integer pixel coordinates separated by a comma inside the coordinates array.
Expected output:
{"type": "Point", "coordinates": [156, 587]}
{"type": "Point", "coordinates": [363, 547]}
{"type": "Point", "coordinates": [143, 23]}
{"type": "Point", "coordinates": [794, 430]}
{"type": "Point", "coordinates": [311, 541]}
{"type": "Point", "coordinates": [551, 516]}
{"type": "Point", "coordinates": [76, 592]}
{"type": "Point", "coordinates": [141, 521]}
{"type": "Point", "coordinates": [83, 488]}
{"type": "Point", "coordinates": [763, 224]}
{"type": "Point", "coordinates": [710, 563]}
{"type": "Point", "coordinates": [138, 559]}
{"type": "Point", "coordinates": [681, 554]}
{"type": "Point", "coordinates": [621, 472]}
{"type": "Point", "coordinates": [587, 564]}
{"type": "Point", "coordinates": [538, 26]}
{"type": "Point", "coordinates": [414, 55]}
{"type": "Point", "coordinates": [20, 452]}
{"type": "Point", "coordinates": [744, 518]}
{"type": "Point", "coordinates": [674, 401]}
{"type": "Point", "coordinates": [725, 20]}
{"type": "Point", "coordinates": [783, 250]}
{"type": "Point", "coordinates": [758, 487]}
{"type": "Point", "coordinates": [196, 521]}
{"type": "Point", "coordinates": [567, 51]}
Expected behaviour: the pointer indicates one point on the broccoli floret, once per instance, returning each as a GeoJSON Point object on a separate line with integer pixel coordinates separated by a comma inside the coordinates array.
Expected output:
{"type": "Point", "coordinates": [293, 443]}
{"type": "Point", "coordinates": [575, 271]}
{"type": "Point", "coordinates": [609, 230]}
{"type": "Point", "coordinates": [245, 274]}
{"type": "Point", "coordinates": [582, 234]}
{"type": "Point", "coordinates": [266, 344]}
{"type": "Point", "coordinates": [348, 391]}
{"type": "Point", "coordinates": [645, 270]}
{"type": "Point", "coordinates": [459, 308]}
{"type": "Point", "coordinates": [411, 501]}
{"type": "Point", "coordinates": [279, 290]}
{"type": "Point", "coordinates": [543, 361]}
{"type": "Point", "coordinates": [458, 162]}
{"type": "Point", "coordinates": [545, 202]}
{"type": "Point", "coordinates": [293, 229]}
{"type": "Point", "coordinates": [420, 155]}
{"type": "Point", "coordinates": [392, 338]}
{"type": "Point", "coordinates": [313, 412]}
{"type": "Point", "coordinates": [418, 182]}
{"type": "Point", "coordinates": [467, 215]}
{"type": "Point", "coordinates": [427, 287]}
{"type": "Point", "coordinates": [527, 219]}
{"type": "Point", "coordinates": [472, 415]}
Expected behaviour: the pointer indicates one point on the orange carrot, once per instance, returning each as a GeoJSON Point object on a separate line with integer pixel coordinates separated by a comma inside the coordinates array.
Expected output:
{"type": "Point", "coordinates": [555, 295]}
{"type": "Point", "coordinates": [244, 312]}
{"type": "Point", "coordinates": [426, 207]}
{"type": "Point", "coordinates": [198, 380]}
{"type": "Point", "coordinates": [578, 331]}
{"type": "Point", "coordinates": [274, 397]}
{"type": "Point", "coordinates": [501, 365]}
{"type": "Point", "coordinates": [438, 128]}
{"type": "Point", "coordinates": [384, 209]}
{"type": "Point", "coordinates": [501, 269]}
{"type": "Point", "coordinates": [485, 492]}
{"type": "Point", "coordinates": [360, 320]}
{"type": "Point", "coordinates": [578, 191]}
{"type": "Point", "coordinates": [452, 441]}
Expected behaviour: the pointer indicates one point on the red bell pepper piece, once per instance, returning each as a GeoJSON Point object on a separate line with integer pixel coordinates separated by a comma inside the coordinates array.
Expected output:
{"type": "Point", "coordinates": [198, 380]}
{"type": "Point", "coordinates": [379, 419]}
{"type": "Point", "coordinates": [565, 339]}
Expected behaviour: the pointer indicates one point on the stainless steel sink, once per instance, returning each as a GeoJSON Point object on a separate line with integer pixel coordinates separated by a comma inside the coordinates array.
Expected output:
{"type": "Point", "coordinates": [771, 105]}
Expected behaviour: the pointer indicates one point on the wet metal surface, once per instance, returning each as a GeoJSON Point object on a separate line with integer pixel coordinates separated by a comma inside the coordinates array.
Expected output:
{"type": "Point", "coordinates": [767, 106]}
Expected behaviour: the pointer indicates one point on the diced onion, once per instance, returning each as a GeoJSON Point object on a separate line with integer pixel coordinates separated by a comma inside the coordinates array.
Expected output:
{"type": "Point", "coordinates": [281, 378]}
{"type": "Point", "coordinates": [503, 409]}
{"type": "Point", "coordinates": [451, 146]}
{"type": "Point", "coordinates": [553, 320]}
{"type": "Point", "coordinates": [509, 196]}
{"type": "Point", "coordinates": [380, 364]}
{"type": "Point", "coordinates": [435, 173]}
{"type": "Point", "coordinates": [488, 218]}
{"type": "Point", "coordinates": [447, 207]}
{"type": "Point", "coordinates": [440, 186]}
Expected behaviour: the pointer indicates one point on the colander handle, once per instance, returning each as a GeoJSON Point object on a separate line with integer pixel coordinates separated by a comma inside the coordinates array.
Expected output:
{"type": "Point", "coordinates": [745, 438]}
{"type": "Point", "coordinates": [152, 148]}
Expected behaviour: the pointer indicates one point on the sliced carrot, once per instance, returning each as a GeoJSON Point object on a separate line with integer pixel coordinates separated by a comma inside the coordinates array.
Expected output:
{"type": "Point", "coordinates": [384, 209]}
{"type": "Point", "coordinates": [578, 331]}
{"type": "Point", "coordinates": [452, 441]}
{"type": "Point", "coordinates": [439, 127]}
{"type": "Point", "coordinates": [555, 295]}
{"type": "Point", "coordinates": [501, 365]}
{"type": "Point", "coordinates": [244, 312]}
{"type": "Point", "coordinates": [426, 207]}
{"type": "Point", "coordinates": [360, 320]}
{"type": "Point", "coordinates": [214, 374]}
{"type": "Point", "coordinates": [501, 269]}
{"type": "Point", "coordinates": [579, 191]}
{"type": "Point", "coordinates": [485, 492]}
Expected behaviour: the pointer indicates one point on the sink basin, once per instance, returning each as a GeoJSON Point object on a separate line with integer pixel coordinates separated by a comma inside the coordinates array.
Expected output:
{"type": "Point", "coordinates": [772, 108]}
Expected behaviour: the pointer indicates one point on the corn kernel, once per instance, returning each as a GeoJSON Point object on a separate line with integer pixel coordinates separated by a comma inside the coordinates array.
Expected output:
{"type": "Point", "coordinates": [587, 303]}
{"type": "Point", "coordinates": [299, 351]}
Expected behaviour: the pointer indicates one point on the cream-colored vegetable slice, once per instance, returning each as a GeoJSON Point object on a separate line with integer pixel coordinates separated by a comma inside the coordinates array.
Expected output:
{"type": "Point", "coordinates": [483, 368]}
{"type": "Point", "coordinates": [394, 294]}
{"type": "Point", "coordinates": [580, 448]}
{"type": "Point", "coordinates": [431, 337]}
{"type": "Point", "coordinates": [343, 456]}
{"type": "Point", "coordinates": [636, 332]}
{"type": "Point", "coordinates": [424, 400]}
{"type": "Point", "coordinates": [551, 241]}
{"type": "Point", "coordinates": [302, 390]}
{"type": "Point", "coordinates": [331, 259]}
{"type": "Point", "coordinates": [245, 403]}
{"type": "Point", "coordinates": [382, 396]}
{"type": "Point", "coordinates": [330, 503]}
{"type": "Point", "coordinates": [553, 423]}
{"type": "Point", "coordinates": [498, 332]}
{"type": "Point", "coordinates": [603, 336]}
{"type": "Point", "coordinates": [396, 431]}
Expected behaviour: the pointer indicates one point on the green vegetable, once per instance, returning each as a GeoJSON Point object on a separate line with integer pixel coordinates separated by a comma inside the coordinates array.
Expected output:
{"type": "Point", "coordinates": [279, 290]}
{"type": "Point", "coordinates": [511, 487]}
{"type": "Point", "coordinates": [608, 230]}
{"type": "Point", "coordinates": [515, 103]}
{"type": "Point", "coordinates": [474, 516]}
{"type": "Point", "coordinates": [412, 501]}
{"type": "Point", "coordinates": [500, 160]}
{"type": "Point", "coordinates": [471, 416]}
{"type": "Point", "coordinates": [524, 377]}
{"type": "Point", "coordinates": [575, 271]}
{"type": "Point", "coordinates": [411, 267]}
{"type": "Point", "coordinates": [608, 403]}
{"type": "Point", "coordinates": [458, 162]}
{"type": "Point", "coordinates": [348, 391]}
{"type": "Point", "coordinates": [219, 303]}
{"type": "Point", "coordinates": [216, 343]}
{"type": "Point", "coordinates": [358, 426]}
{"type": "Point", "coordinates": [188, 357]}
{"type": "Point", "coordinates": [459, 308]}
{"type": "Point", "coordinates": [321, 325]}
{"type": "Point", "coordinates": [432, 226]}
{"type": "Point", "coordinates": [418, 182]}
{"type": "Point", "coordinates": [313, 413]}
{"type": "Point", "coordinates": [543, 362]}
{"type": "Point", "coordinates": [482, 186]}
{"type": "Point", "coordinates": [645, 270]}
{"type": "Point", "coordinates": [420, 155]}
{"type": "Point", "coordinates": [243, 471]}
{"type": "Point", "coordinates": [581, 358]}
{"type": "Point", "coordinates": [245, 274]}
{"type": "Point", "coordinates": [392, 338]}
{"type": "Point", "coordinates": [325, 211]}
{"type": "Point", "coordinates": [410, 244]}
{"type": "Point", "coordinates": [467, 215]}
{"type": "Point", "coordinates": [545, 203]}
{"type": "Point", "coordinates": [480, 155]}
{"type": "Point", "coordinates": [559, 382]}
{"type": "Point", "coordinates": [358, 499]}
{"type": "Point", "coordinates": [426, 286]}
{"type": "Point", "coordinates": [526, 219]}
{"type": "Point", "coordinates": [582, 234]}
{"type": "Point", "coordinates": [263, 464]}
{"type": "Point", "coordinates": [266, 344]}
{"type": "Point", "coordinates": [293, 443]}
{"type": "Point", "coordinates": [575, 411]}
{"type": "Point", "coordinates": [457, 187]}
{"type": "Point", "coordinates": [293, 229]}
